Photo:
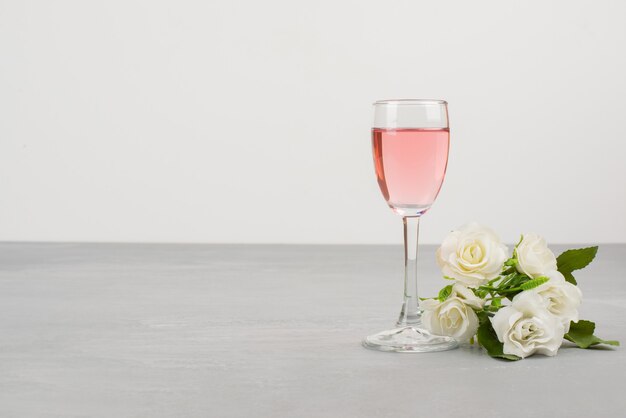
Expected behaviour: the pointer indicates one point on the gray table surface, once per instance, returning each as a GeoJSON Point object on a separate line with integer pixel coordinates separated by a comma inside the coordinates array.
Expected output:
{"type": "Point", "coordinates": [125, 330]}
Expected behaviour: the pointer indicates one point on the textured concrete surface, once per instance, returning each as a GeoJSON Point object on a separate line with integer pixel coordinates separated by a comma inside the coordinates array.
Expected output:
{"type": "Point", "coordinates": [123, 330]}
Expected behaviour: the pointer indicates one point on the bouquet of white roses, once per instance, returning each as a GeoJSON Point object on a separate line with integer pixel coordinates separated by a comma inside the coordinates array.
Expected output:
{"type": "Point", "coordinates": [543, 295]}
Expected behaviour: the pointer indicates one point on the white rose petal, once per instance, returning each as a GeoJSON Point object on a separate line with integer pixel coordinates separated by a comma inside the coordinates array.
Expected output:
{"type": "Point", "coordinates": [472, 255]}
{"type": "Point", "coordinates": [467, 296]}
{"type": "Point", "coordinates": [534, 258]}
{"type": "Point", "coordinates": [563, 298]}
{"type": "Point", "coordinates": [527, 327]}
{"type": "Point", "coordinates": [453, 317]}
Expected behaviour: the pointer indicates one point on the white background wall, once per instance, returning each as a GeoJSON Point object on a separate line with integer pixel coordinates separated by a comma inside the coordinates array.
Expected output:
{"type": "Point", "coordinates": [248, 121]}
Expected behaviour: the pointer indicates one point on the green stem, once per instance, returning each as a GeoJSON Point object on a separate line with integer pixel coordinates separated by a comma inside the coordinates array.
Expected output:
{"type": "Point", "coordinates": [511, 290]}
{"type": "Point", "coordinates": [507, 280]}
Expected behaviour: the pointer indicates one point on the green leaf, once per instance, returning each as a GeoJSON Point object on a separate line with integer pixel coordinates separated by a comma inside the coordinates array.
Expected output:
{"type": "Point", "coordinates": [449, 278]}
{"type": "Point", "coordinates": [496, 302]}
{"type": "Point", "coordinates": [531, 284]}
{"type": "Point", "coordinates": [572, 260]}
{"type": "Point", "coordinates": [482, 316]}
{"type": "Point", "coordinates": [511, 262]}
{"type": "Point", "coordinates": [445, 292]}
{"type": "Point", "coordinates": [581, 334]}
{"type": "Point", "coordinates": [487, 338]}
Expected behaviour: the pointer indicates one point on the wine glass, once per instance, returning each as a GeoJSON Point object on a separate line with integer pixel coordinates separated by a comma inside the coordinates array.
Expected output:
{"type": "Point", "coordinates": [410, 141]}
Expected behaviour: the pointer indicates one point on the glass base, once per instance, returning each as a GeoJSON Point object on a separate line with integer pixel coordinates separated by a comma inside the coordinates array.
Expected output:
{"type": "Point", "coordinates": [409, 339]}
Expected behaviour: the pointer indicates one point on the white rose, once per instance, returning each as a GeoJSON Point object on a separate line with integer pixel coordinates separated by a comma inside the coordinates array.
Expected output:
{"type": "Point", "coordinates": [527, 327]}
{"type": "Point", "coordinates": [534, 258]}
{"type": "Point", "coordinates": [473, 255]}
{"type": "Point", "coordinates": [563, 298]}
{"type": "Point", "coordinates": [453, 317]}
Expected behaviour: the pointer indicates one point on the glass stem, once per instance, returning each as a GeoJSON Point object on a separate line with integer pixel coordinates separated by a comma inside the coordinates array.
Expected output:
{"type": "Point", "coordinates": [410, 314]}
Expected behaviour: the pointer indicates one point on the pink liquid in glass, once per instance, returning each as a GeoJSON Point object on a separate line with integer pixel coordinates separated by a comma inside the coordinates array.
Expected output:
{"type": "Point", "coordinates": [410, 166]}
